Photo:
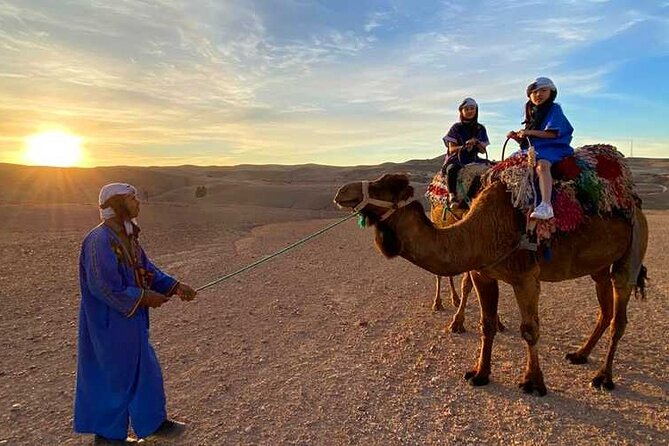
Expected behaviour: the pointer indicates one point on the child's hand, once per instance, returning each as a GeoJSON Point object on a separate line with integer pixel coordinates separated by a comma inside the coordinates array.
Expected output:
{"type": "Point", "coordinates": [471, 143]}
{"type": "Point", "coordinates": [517, 135]}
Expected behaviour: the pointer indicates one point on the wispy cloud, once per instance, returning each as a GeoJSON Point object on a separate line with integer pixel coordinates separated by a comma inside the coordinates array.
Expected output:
{"type": "Point", "coordinates": [238, 80]}
{"type": "Point", "coordinates": [377, 19]}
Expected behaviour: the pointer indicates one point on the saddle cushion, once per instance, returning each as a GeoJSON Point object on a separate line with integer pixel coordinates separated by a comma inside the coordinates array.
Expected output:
{"type": "Point", "coordinates": [595, 180]}
{"type": "Point", "coordinates": [437, 191]}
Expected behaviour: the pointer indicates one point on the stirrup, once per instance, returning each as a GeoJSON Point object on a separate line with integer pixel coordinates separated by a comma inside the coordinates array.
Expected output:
{"type": "Point", "coordinates": [526, 244]}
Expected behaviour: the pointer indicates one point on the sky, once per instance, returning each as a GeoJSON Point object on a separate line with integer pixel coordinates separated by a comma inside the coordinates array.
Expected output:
{"type": "Point", "coordinates": [337, 82]}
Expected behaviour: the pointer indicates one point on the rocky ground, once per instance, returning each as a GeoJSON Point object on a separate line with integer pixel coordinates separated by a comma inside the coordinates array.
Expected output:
{"type": "Point", "coordinates": [328, 344]}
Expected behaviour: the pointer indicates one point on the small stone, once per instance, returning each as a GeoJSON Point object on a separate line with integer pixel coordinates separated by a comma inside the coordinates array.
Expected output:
{"type": "Point", "coordinates": [363, 323]}
{"type": "Point", "coordinates": [248, 429]}
{"type": "Point", "coordinates": [16, 406]}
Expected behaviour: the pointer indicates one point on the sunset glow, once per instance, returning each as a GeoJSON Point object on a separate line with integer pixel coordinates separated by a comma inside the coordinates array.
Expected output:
{"type": "Point", "coordinates": [53, 148]}
{"type": "Point", "coordinates": [327, 82]}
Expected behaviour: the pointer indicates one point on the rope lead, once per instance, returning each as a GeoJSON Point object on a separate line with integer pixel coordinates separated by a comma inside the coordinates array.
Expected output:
{"type": "Point", "coordinates": [271, 256]}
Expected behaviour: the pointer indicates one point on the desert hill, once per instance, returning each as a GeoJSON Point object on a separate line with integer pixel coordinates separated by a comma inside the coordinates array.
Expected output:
{"type": "Point", "coordinates": [308, 186]}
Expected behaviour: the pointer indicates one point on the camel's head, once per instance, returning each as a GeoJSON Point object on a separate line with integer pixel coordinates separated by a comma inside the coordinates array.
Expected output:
{"type": "Point", "coordinates": [382, 193]}
{"type": "Point", "coordinates": [377, 200]}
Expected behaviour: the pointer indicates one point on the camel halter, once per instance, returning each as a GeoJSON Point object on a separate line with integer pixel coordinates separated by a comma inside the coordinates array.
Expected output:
{"type": "Point", "coordinates": [392, 207]}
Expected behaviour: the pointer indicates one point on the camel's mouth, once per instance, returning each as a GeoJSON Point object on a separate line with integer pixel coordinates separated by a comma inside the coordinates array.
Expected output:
{"type": "Point", "coordinates": [346, 204]}
{"type": "Point", "coordinates": [347, 197]}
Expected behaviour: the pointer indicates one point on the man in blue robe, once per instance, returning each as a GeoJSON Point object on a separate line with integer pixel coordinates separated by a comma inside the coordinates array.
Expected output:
{"type": "Point", "coordinates": [118, 374]}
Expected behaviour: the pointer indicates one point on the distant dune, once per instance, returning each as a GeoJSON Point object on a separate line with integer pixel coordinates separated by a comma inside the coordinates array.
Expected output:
{"type": "Point", "coordinates": [308, 186]}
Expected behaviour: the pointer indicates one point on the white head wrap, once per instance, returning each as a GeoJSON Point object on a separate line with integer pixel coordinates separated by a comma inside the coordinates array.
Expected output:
{"type": "Point", "coordinates": [111, 190]}
{"type": "Point", "coordinates": [541, 82]}
{"type": "Point", "coordinates": [466, 102]}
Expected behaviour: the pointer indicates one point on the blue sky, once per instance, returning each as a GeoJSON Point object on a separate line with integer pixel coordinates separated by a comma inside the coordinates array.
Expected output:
{"type": "Point", "coordinates": [165, 82]}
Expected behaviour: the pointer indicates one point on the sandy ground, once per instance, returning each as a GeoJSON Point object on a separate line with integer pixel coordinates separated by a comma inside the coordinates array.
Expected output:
{"type": "Point", "coordinates": [328, 344]}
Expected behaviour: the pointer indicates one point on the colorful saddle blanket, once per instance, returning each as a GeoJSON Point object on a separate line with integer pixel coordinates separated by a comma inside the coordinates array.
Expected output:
{"type": "Point", "coordinates": [437, 191]}
{"type": "Point", "coordinates": [595, 180]}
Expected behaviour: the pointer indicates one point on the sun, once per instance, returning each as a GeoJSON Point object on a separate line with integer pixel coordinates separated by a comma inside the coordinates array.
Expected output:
{"type": "Point", "coordinates": [53, 148]}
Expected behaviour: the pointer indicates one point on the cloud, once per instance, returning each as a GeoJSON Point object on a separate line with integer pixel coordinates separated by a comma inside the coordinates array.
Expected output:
{"type": "Point", "coordinates": [377, 19]}
{"type": "Point", "coordinates": [239, 78]}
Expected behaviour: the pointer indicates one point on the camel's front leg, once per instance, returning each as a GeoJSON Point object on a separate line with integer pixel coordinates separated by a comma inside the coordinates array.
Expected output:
{"type": "Point", "coordinates": [488, 293]}
{"type": "Point", "coordinates": [436, 304]}
{"type": "Point", "coordinates": [527, 296]}
{"type": "Point", "coordinates": [455, 299]}
{"type": "Point", "coordinates": [604, 289]}
{"type": "Point", "coordinates": [458, 323]}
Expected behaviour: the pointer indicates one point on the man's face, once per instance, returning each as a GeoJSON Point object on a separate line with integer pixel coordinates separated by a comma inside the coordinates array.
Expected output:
{"type": "Point", "coordinates": [540, 95]}
{"type": "Point", "coordinates": [132, 205]}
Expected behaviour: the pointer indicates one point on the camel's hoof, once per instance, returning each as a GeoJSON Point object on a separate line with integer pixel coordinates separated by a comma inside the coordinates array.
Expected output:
{"type": "Point", "coordinates": [437, 306]}
{"type": "Point", "coordinates": [529, 387]}
{"type": "Point", "coordinates": [601, 381]}
{"type": "Point", "coordinates": [478, 381]}
{"type": "Point", "coordinates": [470, 374]}
{"type": "Point", "coordinates": [457, 327]}
{"type": "Point", "coordinates": [500, 326]}
{"type": "Point", "coordinates": [576, 358]}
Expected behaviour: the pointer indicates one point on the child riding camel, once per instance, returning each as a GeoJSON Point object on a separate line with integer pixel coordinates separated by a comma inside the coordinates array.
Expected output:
{"type": "Point", "coordinates": [549, 131]}
{"type": "Point", "coordinates": [464, 141]}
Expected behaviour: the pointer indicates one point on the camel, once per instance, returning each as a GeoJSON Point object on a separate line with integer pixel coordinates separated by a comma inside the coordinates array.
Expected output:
{"type": "Point", "coordinates": [487, 243]}
{"type": "Point", "coordinates": [442, 217]}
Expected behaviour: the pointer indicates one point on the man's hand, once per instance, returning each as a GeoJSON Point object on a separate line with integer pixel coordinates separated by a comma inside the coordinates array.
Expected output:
{"type": "Point", "coordinates": [185, 292]}
{"type": "Point", "coordinates": [152, 299]}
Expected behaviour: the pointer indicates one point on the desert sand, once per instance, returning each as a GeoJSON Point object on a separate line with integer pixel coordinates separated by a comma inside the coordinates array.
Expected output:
{"type": "Point", "coordinates": [328, 344]}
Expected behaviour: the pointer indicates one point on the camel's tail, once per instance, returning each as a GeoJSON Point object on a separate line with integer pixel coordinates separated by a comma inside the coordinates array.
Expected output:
{"type": "Point", "coordinates": [640, 286]}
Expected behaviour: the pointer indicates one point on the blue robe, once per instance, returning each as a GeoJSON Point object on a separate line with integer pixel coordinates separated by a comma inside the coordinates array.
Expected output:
{"type": "Point", "coordinates": [459, 134]}
{"type": "Point", "coordinates": [118, 373]}
{"type": "Point", "coordinates": [553, 149]}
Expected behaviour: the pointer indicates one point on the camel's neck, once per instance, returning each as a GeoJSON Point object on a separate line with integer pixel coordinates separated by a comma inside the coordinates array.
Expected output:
{"type": "Point", "coordinates": [488, 233]}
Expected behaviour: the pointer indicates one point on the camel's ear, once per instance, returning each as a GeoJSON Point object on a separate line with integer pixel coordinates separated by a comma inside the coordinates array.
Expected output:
{"type": "Point", "coordinates": [386, 241]}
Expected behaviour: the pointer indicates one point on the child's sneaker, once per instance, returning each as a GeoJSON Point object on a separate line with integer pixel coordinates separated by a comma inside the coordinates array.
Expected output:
{"type": "Point", "coordinates": [542, 212]}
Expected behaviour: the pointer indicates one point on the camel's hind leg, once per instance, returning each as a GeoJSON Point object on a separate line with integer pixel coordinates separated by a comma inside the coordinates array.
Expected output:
{"type": "Point", "coordinates": [625, 275]}
{"type": "Point", "coordinates": [604, 289]}
{"type": "Point", "coordinates": [621, 295]}
{"type": "Point", "coordinates": [527, 296]}
{"type": "Point", "coordinates": [488, 293]}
